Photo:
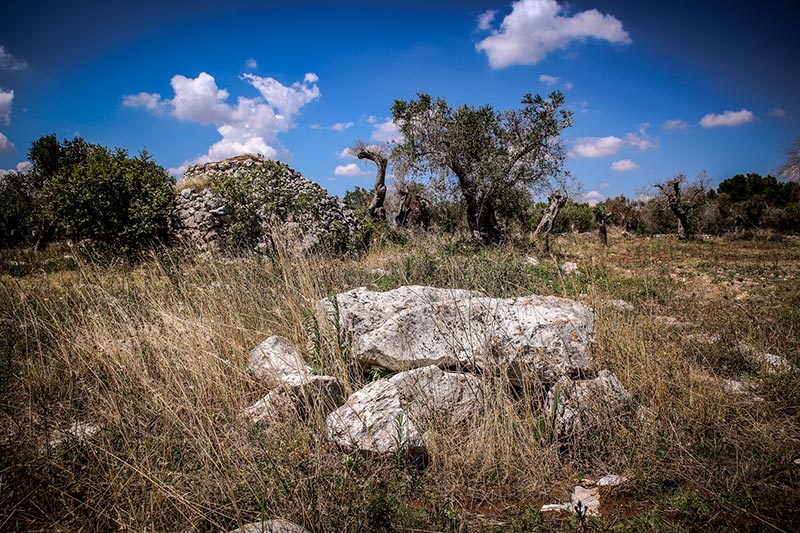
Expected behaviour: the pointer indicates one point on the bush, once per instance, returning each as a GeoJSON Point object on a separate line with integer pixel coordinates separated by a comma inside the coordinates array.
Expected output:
{"type": "Point", "coordinates": [111, 197]}
{"type": "Point", "coordinates": [17, 208]}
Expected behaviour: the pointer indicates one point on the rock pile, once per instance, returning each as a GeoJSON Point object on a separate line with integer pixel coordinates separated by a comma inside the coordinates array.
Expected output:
{"type": "Point", "coordinates": [440, 342]}
{"type": "Point", "coordinates": [248, 202]}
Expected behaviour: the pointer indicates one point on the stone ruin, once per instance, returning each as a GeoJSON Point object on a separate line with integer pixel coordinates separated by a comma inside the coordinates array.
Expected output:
{"type": "Point", "coordinates": [272, 202]}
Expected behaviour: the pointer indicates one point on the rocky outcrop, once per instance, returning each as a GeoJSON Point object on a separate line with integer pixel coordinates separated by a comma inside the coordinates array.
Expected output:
{"type": "Point", "coordinates": [250, 203]}
{"type": "Point", "coordinates": [538, 338]}
{"type": "Point", "coordinates": [295, 389]}
{"type": "Point", "coordinates": [394, 413]}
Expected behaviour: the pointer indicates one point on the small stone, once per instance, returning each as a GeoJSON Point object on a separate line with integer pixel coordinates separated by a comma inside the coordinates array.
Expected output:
{"type": "Point", "coordinates": [612, 480]}
{"type": "Point", "coordinates": [622, 305]}
{"type": "Point", "coordinates": [530, 260]}
{"type": "Point", "coordinates": [587, 500]}
{"type": "Point", "coordinates": [556, 508]}
{"type": "Point", "coordinates": [270, 526]}
{"type": "Point", "coordinates": [569, 268]}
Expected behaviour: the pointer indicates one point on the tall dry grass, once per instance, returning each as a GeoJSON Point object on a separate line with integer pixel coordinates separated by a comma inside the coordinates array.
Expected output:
{"type": "Point", "coordinates": [154, 354]}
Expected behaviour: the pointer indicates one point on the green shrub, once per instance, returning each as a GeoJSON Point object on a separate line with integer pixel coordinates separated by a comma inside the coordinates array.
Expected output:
{"type": "Point", "coordinates": [111, 197]}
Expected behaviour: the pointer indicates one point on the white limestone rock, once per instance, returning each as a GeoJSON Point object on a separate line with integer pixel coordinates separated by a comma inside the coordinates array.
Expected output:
{"type": "Point", "coordinates": [534, 337]}
{"type": "Point", "coordinates": [582, 405]}
{"type": "Point", "coordinates": [270, 526]}
{"type": "Point", "coordinates": [275, 360]}
{"type": "Point", "coordinates": [395, 413]}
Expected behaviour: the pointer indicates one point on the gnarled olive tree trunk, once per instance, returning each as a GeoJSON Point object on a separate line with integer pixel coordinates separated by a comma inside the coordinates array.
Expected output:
{"type": "Point", "coordinates": [556, 202]}
{"type": "Point", "coordinates": [377, 155]}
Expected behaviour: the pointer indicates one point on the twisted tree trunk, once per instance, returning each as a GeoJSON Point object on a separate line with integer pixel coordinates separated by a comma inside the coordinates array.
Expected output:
{"type": "Point", "coordinates": [376, 208]}
{"type": "Point", "coordinates": [557, 201]}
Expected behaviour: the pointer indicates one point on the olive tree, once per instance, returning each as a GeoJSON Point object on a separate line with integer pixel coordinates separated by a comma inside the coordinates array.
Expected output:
{"type": "Point", "coordinates": [790, 169]}
{"type": "Point", "coordinates": [378, 155]}
{"type": "Point", "coordinates": [683, 198]}
{"type": "Point", "coordinates": [488, 155]}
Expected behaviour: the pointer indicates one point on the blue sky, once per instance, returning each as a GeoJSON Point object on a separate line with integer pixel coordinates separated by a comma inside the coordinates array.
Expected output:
{"type": "Point", "coordinates": [657, 88]}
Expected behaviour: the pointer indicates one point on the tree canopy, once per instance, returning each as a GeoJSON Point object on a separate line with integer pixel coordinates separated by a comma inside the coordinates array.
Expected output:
{"type": "Point", "coordinates": [488, 155]}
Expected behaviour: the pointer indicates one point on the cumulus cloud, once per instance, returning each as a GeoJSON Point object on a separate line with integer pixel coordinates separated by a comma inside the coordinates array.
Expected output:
{"type": "Point", "coordinates": [596, 146]}
{"type": "Point", "coordinates": [642, 141]}
{"type": "Point", "coordinates": [549, 80]}
{"type": "Point", "coordinates": [385, 132]}
{"type": "Point", "coordinates": [535, 28]}
{"type": "Point", "coordinates": [727, 118]}
{"type": "Point", "coordinates": [6, 146]}
{"type": "Point", "coordinates": [372, 119]}
{"type": "Point", "coordinates": [777, 112]}
{"type": "Point", "coordinates": [250, 126]}
{"type": "Point", "coordinates": [623, 165]}
{"type": "Point", "coordinates": [9, 62]}
{"type": "Point", "coordinates": [593, 197]}
{"type": "Point", "coordinates": [676, 124]}
{"type": "Point", "coordinates": [6, 97]}
{"type": "Point", "coordinates": [350, 170]}
{"type": "Point", "coordinates": [485, 20]}
{"type": "Point", "coordinates": [149, 101]}
{"type": "Point", "coordinates": [346, 153]}
{"type": "Point", "coordinates": [22, 167]}
{"type": "Point", "coordinates": [251, 63]}
{"type": "Point", "coordinates": [610, 145]}
{"type": "Point", "coordinates": [341, 126]}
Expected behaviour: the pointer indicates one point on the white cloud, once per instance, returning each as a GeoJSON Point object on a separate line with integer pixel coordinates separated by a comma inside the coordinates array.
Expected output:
{"type": "Point", "coordinates": [385, 132]}
{"type": "Point", "coordinates": [727, 118]}
{"type": "Point", "coordinates": [5, 106]}
{"type": "Point", "coordinates": [22, 167]}
{"type": "Point", "coordinates": [624, 165]}
{"type": "Point", "coordinates": [549, 80]}
{"type": "Point", "coordinates": [597, 146]}
{"type": "Point", "coordinates": [536, 27]}
{"type": "Point", "coordinates": [346, 153]}
{"type": "Point", "coordinates": [9, 62]}
{"type": "Point", "coordinates": [372, 119]}
{"type": "Point", "coordinates": [777, 112]}
{"type": "Point", "coordinates": [341, 126]}
{"type": "Point", "coordinates": [676, 124]}
{"type": "Point", "coordinates": [593, 197]}
{"type": "Point", "coordinates": [6, 146]}
{"type": "Point", "coordinates": [581, 106]}
{"type": "Point", "coordinates": [568, 85]}
{"type": "Point", "coordinates": [485, 20]}
{"type": "Point", "coordinates": [642, 141]}
{"type": "Point", "coordinates": [350, 170]}
{"type": "Point", "coordinates": [251, 63]}
{"type": "Point", "coordinates": [251, 126]}
{"type": "Point", "coordinates": [310, 77]}
{"type": "Point", "coordinates": [149, 101]}
{"type": "Point", "coordinates": [604, 185]}
{"type": "Point", "coordinates": [315, 126]}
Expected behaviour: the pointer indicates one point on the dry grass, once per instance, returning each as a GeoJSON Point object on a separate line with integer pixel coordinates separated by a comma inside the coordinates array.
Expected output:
{"type": "Point", "coordinates": [154, 355]}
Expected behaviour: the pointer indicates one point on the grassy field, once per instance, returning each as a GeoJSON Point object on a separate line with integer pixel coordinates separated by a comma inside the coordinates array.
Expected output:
{"type": "Point", "coordinates": [154, 354]}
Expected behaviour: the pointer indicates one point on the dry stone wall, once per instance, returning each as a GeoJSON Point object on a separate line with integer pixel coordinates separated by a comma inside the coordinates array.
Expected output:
{"type": "Point", "coordinates": [248, 203]}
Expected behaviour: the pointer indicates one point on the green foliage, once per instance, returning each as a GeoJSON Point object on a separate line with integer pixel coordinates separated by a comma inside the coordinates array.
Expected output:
{"type": "Point", "coordinates": [491, 157]}
{"type": "Point", "coordinates": [357, 199]}
{"type": "Point", "coordinates": [17, 208]}
{"type": "Point", "coordinates": [263, 196]}
{"type": "Point", "coordinates": [108, 196]}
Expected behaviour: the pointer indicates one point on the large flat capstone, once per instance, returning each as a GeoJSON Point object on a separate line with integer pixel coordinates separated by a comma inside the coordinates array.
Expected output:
{"type": "Point", "coordinates": [532, 337]}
